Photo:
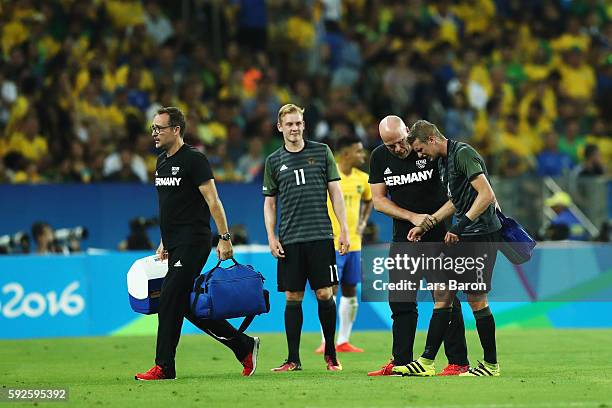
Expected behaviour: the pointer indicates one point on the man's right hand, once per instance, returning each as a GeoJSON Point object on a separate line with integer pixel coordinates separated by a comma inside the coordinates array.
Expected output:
{"type": "Point", "coordinates": [424, 220]}
{"type": "Point", "coordinates": [161, 252]}
{"type": "Point", "coordinates": [276, 248]}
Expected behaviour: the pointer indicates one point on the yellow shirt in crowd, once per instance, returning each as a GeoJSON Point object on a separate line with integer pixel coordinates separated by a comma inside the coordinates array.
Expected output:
{"type": "Point", "coordinates": [578, 82]}
{"type": "Point", "coordinates": [355, 188]}
{"type": "Point", "coordinates": [33, 150]}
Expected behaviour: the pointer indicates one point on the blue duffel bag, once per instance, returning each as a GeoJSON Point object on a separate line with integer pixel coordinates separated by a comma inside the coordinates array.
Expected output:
{"type": "Point", "coordinates": [517, 244]}
{"type": "Point", "coordinates": [226, 293]}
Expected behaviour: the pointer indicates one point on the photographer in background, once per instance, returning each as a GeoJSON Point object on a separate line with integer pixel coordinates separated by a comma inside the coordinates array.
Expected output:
{"type": "Point", "coordinates": [44, 239]}
{"type": "Point", "coordinates": [18, 243]}
{"type": "Point", "coordinates": [138, 238]}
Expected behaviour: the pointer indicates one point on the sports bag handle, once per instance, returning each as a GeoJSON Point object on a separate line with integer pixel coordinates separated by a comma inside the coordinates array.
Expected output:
{"type": "Point", "coordinates": [209, 274]}
{"type": "Point", "coordinates": [219, 263]}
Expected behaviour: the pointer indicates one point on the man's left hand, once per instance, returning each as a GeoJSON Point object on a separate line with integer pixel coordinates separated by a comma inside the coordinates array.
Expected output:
{"type": "Point", "coordinates": [224, 250]}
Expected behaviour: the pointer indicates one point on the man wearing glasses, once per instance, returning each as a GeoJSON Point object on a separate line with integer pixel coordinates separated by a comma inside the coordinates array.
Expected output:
{"type": "Point", "coordinates": [187, 199]}
{"type": "Point", "coordinates": [407, 188]}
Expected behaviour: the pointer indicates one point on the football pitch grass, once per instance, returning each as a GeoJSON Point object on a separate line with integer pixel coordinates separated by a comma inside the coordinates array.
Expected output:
{"type": "Point", "coordinates": [540, 368]}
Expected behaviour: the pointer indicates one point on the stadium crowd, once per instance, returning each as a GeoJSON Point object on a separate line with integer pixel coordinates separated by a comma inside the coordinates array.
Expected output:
{"type": "Point", "coordinates": [527, 83]}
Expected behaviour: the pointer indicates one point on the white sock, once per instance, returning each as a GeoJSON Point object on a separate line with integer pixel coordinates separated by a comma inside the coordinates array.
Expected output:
{"type": "Point", "coordinates": [347, 312]}
{"type": "Point", "coordinates": [320, 328]}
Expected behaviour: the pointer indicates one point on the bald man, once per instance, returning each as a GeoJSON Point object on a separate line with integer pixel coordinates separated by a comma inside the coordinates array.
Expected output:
{"type": "Point", "coordinates": [408, 188]}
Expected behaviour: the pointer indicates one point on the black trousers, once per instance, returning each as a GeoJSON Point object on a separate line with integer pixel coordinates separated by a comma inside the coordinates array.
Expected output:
{"type": "Point", "coordinates": [404, 312]}
{"type": "Point", "coordinates": [184, 264]}
{"type": "Point", "coordinates": [405, 316]}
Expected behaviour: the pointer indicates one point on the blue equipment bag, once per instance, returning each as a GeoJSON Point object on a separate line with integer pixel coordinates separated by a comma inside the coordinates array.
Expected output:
{"type": "Point", "coordinates": [517, 244]}
{"type": "Point", "coordinates": [226, 293]}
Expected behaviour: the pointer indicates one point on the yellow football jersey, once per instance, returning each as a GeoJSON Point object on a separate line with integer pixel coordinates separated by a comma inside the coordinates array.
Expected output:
{"type": "Point", "coordinates": [355, 188]}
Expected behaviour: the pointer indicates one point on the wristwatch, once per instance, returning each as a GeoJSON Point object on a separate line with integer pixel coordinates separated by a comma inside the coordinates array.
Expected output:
{"type": "Point", "coordinates": [226, 237]}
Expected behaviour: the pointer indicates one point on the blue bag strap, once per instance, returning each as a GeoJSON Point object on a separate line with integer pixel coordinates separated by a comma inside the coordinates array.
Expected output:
{"type": "Point", "coordinates": [197, 289]}
{"type": "Point", "coordinates": [249, 319]}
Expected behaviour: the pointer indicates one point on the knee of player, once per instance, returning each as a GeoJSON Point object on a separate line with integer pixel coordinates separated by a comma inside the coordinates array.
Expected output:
{"type": "Point", "coordinates": [324, 293]}
{"type": "Point", "coordinates": [478, 302]}
{"type": "Point", "coordinates": [443, 298]}
{"type": "Point", "coordinates": [294, 296]}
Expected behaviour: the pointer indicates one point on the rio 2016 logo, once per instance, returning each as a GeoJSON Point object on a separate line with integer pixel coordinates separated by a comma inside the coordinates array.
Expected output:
{"type": "Point", "coordinates": [35, 304]}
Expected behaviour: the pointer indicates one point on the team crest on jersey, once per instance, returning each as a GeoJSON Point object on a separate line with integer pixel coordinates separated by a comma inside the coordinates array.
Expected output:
{"type": "Point", "coordinates": [421, 163]}
{"type": "Point", "coordinates": [175, 170]}
{"type": "Point", "coordinates": [359, 189]}
{"type": "Point", "coordinates": [311, 160]}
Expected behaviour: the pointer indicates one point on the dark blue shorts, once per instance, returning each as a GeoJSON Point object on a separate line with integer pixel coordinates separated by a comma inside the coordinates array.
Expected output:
{"type": "Point", "coordinates": [349, 267]}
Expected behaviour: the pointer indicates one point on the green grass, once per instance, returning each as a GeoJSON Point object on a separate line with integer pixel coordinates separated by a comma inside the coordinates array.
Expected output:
{"type": "Point", "coordinates": [540, 368]}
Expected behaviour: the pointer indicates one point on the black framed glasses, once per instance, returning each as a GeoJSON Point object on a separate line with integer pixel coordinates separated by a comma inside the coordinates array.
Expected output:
{"type": "Point", "coordinates": [157, 129]}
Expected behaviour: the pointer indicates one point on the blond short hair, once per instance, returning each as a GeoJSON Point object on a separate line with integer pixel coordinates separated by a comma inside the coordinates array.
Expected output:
{"type": "Point", "coordinates": [422, 129]}
{"type": "Point", "coordinates": [287, 109]}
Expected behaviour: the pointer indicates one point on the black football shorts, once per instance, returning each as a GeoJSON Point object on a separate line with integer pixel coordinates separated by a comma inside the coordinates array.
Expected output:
{"type": "Point", "coordinates": [313, 261]}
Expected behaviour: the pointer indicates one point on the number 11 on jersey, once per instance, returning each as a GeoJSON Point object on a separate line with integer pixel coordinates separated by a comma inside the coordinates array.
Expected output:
{"type": "Point", "coordinates": [299, 177]}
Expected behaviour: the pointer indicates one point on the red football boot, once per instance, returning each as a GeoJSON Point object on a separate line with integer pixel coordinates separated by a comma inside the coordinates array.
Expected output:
{"type": "Point", "coordinates": [386, 369]}
{"type": "Point", "coordinates": [250, 361]}
{"type": "Point", "coordinates": [155, 373]}
{"type": "Point", "coordinates": [454, 369]}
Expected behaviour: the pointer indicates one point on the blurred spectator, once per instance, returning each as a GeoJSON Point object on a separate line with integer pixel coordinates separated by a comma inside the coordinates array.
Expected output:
{"type": "Point", "coordinates": [572, 142]}
{"type": "Point", "coordinates": [158, 25]}
{"type": "Point", "coordinates": [459, 119]}
{"type": "Point", "coordinates": [551, 162]}
{"type": "Point", "coordinates": [399, 81]}
{"type": "Point", "coordinates": [351, 61]}
{"type": "Point", "coordinates": [516, 146]}
{"type": "Point", "coordinates": [27, 140]}
{"type": "Point", "coordinates": [565, 225]}
{"type": "Point", "coordinates": [577, 77]}
{"type": "Point", "coordinates": [252, 23]}
{"type": "Point", "coordinates": [124, 165]}
{"type": "Point", "coordinates": [223, 169]}
{"type": "Point", "coordinates": [251, 164]}
{"type": "Point", "coordinates": [8, 96]}
{"type": "Point", "coordinates": [593, 164]}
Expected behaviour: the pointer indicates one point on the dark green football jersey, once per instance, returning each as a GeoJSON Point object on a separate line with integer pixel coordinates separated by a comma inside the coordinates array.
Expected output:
{"type": "Point", "coordinates": [300, 181]}
{"type": "Point", "coordinates": [461, 165]}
